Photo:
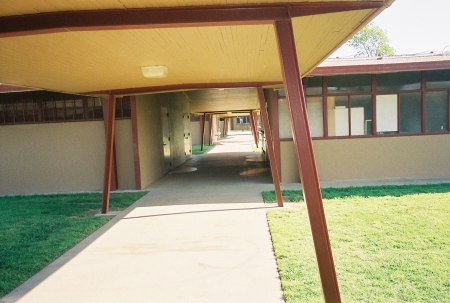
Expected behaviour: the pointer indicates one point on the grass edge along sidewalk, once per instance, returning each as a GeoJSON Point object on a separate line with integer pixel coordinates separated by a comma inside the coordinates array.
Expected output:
{"type": "Point", "coordinates": [390, 244]}
{"type": "Point", "coordinates": [37, 229]}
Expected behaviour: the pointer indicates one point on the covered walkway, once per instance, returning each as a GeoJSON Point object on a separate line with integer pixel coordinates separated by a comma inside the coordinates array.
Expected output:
{"type": "Point", "coordinates": [198, 236]}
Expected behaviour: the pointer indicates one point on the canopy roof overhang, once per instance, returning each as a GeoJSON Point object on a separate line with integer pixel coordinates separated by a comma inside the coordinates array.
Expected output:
{"type": "Point", "coordinates": [99, 47]}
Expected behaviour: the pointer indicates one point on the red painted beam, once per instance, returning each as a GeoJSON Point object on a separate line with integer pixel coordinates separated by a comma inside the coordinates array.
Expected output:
{"type": "Point", "coordinates": [255, 122]}
{"type": "Point", "coordinates": [179, 87]}
{"type": "Point", "coordinates": [109, 153]}
{"type": "Point", "coordinates": [252, 127]}
{"type": "Point", "coordinates": [210, 129]}
{"type": "Point", "coordinates": [114, 19]}
{"type": "Point", "coordinates": [134, 130]}
{"type": "Point", "coordinates": [379, 68]}
{"type": "Point", "coordinates": [274, 168]}
{"type": "Point", "coordinates": [305, 157]}
{"type": "Point", "coordinates": [202, 131]}
{"type": "Point", "coordinates": [6, 88]}
{"type": "Point", "coordinates": [114, 183]}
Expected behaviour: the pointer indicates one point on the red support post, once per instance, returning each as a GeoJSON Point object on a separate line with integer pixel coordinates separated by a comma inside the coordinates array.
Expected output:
{"type": "Point", "coordinates": [114, 184]}
{"type": "Point", "coordinates": [202, 130]}
{"type": "Point", "coordinates": [252, 127]}
{"type": "Point", "coordinates": [270, 147]}
{"type": "Point", "coordinates": [109, 153]}
{"type": "Point", "coordinates": [210, 129]}
{"type": "Point", "coordinates": [305, 156]}
{"type": "Point", "coordinates": [255, 122]}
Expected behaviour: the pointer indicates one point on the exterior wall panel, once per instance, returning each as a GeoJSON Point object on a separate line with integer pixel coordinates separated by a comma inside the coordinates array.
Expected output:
{"type": "Point", "coordinates": [124, 154]}
{"type": "Point", "coordinates": [53, 157]}
{"type": "Point", "coordinates": [413, 157]}
{"type": "Point", "coordinates": [151, 153]}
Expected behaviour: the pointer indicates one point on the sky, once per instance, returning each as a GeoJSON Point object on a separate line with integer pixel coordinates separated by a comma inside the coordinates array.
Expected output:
{"type": "Point", "coordinates": [412, 26]}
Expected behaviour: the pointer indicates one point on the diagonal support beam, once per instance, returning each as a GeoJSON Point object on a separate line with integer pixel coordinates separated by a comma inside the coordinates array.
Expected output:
{"type": "Point", "coordinates": [114, 184]}
{"type": "Point", "coordinates": [109, 153]}
{"type": "Point", "coordinates": [202, 131]}
{"type": "Point", "coordinates": [252, 127]}
{"type": "Point", "coordinates": [114, 19]}
{"type": "Point", "coordinates": [306, 162]}
{"type": "Point", "coordinates": [255, 122]}
{"type": "Point", "coordinates": [210, 124]}
{"type": "Point", "coordinates": [270, 148]}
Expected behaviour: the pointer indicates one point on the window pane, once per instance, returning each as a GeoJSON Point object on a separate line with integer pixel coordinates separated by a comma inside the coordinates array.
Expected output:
{"type": "Point", "coordinates": [284, 119]}
{"type": "Point", "coordinates": [361, 115]}
{"type": "Point", "coordinates": [438, 78]}
{"type": "Point", "coordinates": [386, 114]}
{"type": "Point", "coordinates": [410, 113]}
{"type": "Point", "coordinates": [315, 116]}
{"type": "Point", "coordinates": [437, 111]}
{"type": "Point", "coordinates": [349, 84]}
{"type": "Point", "coordinates": [337, 107]}
{"type": "Point", "coordinates": [398, 81]}
{"type": "Point", "coordinates": [313, 86]}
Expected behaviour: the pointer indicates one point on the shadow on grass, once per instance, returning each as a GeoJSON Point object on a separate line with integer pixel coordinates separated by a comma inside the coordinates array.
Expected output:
{"type": "Point", "coordinates": [363, 191]}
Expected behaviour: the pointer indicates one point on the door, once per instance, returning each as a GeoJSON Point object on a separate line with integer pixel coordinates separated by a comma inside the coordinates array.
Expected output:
{"type": "Point", "coordinates": [166, 138]}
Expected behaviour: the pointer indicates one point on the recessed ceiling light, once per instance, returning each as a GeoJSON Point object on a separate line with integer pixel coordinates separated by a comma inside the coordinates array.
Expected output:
{"type": "Point", "coordinates": [156, 71]}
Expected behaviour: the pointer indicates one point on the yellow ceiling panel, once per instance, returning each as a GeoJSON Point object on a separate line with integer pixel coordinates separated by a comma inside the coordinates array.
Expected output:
{"type": "Point", "coordinates": [105, 60]}
{"type": "Point", "coordinates": [317, 36]}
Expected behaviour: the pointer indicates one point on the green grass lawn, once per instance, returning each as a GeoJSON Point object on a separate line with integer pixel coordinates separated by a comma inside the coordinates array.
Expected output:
{"type": "Point", "coordinates": [390, 244]}
{"type": "Point", "coordinates": [196, 148]}
{"type": "Point", "coordinates": [35, 230]}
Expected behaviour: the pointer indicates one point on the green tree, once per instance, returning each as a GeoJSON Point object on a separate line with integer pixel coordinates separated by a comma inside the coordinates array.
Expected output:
{"type": "Point", "coordinates": [371, 41]}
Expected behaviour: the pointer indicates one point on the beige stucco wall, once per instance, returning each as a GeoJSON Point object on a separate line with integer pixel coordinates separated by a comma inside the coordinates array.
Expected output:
{"type": "Point", "coordinates": [52, 157]}
{"type": "Point", "coordinates": [374, 158]}
{"type": "Point", "coordinates": [196, 132]}
{"type": "Point", "coordinates": [151, 153]}
{"type": "Point", "coordinates": [124, 154]}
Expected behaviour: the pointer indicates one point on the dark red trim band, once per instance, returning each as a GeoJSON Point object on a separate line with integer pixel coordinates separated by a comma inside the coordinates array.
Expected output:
{"type": "Point", "coordinates": [114, 19]}
{"type": "Point", "coordinates": [379, 68]}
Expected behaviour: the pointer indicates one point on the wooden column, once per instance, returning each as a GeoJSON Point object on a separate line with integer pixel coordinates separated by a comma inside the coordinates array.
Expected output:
{"type": "Point", "coordinates": [305, 157]}
{"type": "Point", "coordinates": [134, 128]}
{"type": "Point", "coordinates": [109, 153]}
{"type": "Point", "coordinates": [270, 147]}
{"type": "Point", "coordinates": [202, 130]}
{"type": "Point", "coordinates": [114, 184]}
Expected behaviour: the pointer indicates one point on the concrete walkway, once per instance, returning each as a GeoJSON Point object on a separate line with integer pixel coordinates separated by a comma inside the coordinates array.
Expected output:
{"type": "Point", "coordinates": [198, 236]}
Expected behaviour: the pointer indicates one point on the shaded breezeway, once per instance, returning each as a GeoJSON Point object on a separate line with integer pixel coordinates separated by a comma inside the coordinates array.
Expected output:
{"type": "Point", "coordinates": [199, 236]}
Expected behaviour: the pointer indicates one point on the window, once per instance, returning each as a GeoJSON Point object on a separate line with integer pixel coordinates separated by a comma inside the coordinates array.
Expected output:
{"type": "Point", "coordinates": [315, 115]}
{"type": "Point", "coordinates": [243, 120]}
{"type": "Point", "coordinates": [338, 116]}
{"type": "Point", "coordinates": [399, 81]}
{"type": "Point", "coordinates": [410, 113]}
{"type": "Point", "coordinates": [361, 115]}
{"type": "Point", "coordinates": [387, 122]}
{"type": "Point", "coordinates": [438, 79]}
{"type": "Point", "coordinates": [45, 106]}
{"type": "Point", "coordinates": [349, 115]}
{"type": "Point", "coordinates": [313, 86]}
{"type": "Point", "coordinates": [437, 111]}
{"type": "Point", "coordinates": [349, 84]}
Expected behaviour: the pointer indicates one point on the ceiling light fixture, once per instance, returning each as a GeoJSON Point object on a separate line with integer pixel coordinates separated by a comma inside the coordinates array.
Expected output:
{"type": "Point", "coordinates": [156, 71]}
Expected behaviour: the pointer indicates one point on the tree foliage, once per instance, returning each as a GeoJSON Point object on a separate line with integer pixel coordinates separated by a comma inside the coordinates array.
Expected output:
{"type": "Point", "coordinates": [371, 41]}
